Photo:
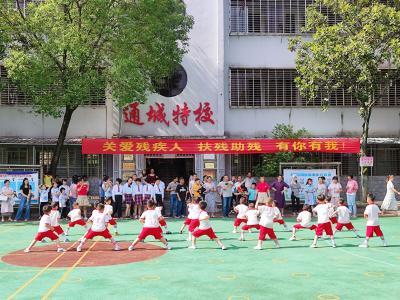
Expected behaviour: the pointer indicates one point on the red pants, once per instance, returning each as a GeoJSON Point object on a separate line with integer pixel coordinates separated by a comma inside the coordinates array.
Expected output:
{"type": "Point", "coordinates": [209, 232]}
{"type": "Point", "coordinates": [279, 221]}
{"type": "Point", "coordinates": [239, 221]}
{"type": "Point", "coordinates": [298, 226]}
{"type": "Point", "coordinates": [247, 227]}
{"type": "Point", "coordinates": [77, 222]}
{"type": "Point", "coordinates": [349, 226]}
{"type": "Point", "coordinates": [91, 234]}
{"type": "Point", "coordinates": [146, 231]}
{"type": "Point", "coordinates": [112, 222]}
{"type": "Point", "coordinates": [58, 230]}
{"type": "Point", "coordinates": [47, 234]}
{"type": "Point", "coordinates": [187, 221]}
{"type": "Point", "coordinates": [194, 224]}
{"type": "Point", "coordinates": [333, 220]}
{"type": "Point", "coordinates": [324, 227]}
{"type": "Point", "coordinates": [373, 229]}
{"type": "Point", "coordinates": [163, 223]}
{"type": "Point", "coordinates": [264, 231]}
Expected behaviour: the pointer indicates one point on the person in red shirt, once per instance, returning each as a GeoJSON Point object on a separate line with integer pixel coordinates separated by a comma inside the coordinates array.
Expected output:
{"type": "Point", "coordinates": [82, 189]}
{"type": "Point", "coordinates": [262, 190]}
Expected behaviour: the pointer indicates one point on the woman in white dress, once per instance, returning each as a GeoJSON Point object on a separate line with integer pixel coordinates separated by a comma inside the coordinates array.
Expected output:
{"type": "Point", "coordinates": [211, 195]}
{"type": "Point", "coordinates": [390, 202]}
{"type": "Point", "coordinates": [7, 207]}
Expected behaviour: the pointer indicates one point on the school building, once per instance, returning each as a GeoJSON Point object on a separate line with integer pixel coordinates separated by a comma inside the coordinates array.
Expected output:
{"type": "Point", "coordinates": [236, 81]}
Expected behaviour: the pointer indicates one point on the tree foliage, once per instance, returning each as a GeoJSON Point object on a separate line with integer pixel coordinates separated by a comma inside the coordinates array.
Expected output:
{"type": "Point", "coordinates": [62, 52]}
{"type": "Point", "coordinates": [269, 165]}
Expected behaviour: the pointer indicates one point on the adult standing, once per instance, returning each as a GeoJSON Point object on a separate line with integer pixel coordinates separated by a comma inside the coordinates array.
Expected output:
{"type": "Point", "coordinates": [73, 193]}
{"type": "Point", "coordinates": [82, 189]}
{"type": "Point", "coordinates": [173, 198]}
{"type": "Point", "coordinates": [351, 192]}
{"type": "Point", "coordinates": [249, 180]}
{"type": "Point", "coordinates": [390, 202]}
{"type": "Point", "coordinates": [279, 187]}
{"type": "Point", "coordinates": [295, 195]}
{"type": "Point", "coordinates": [182, 191]}
{"type": "Point", "coordinates": [321, 187]}
{"type": "Point", "coordinates": [7, 206]}
{"type": "Point", "coordinates": [334, 189]}
{"type": "Point", "coordinates": [117, 198]}
{"type": "Point", "coordinates": [127, 191]}
{"type": "Point", "coordinates": [262, 189]}
{"type": "Point", "coordinates": [25, 194]}
{"type": "Point", "coordinates": [211, 195]}
{"type": "Point", "coordinates": [151, 177]}
{"type": "Point", "coordinates": [226, 191]}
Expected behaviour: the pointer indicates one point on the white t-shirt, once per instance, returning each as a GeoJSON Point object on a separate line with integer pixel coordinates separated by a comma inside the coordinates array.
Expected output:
{"type": "Point", "coordinates": [252, 217]}
{"type": "Point", "coordinates": [304, 218]}
{"type": "Point", "coordinates": [158, 209]}
{"type": "Point", "coordinates": [75, 214]}
{"type": "Point", "coordinates": [268, 214]}
{"type": "Point", "coordinates": [108, 209]}
{"type": "Point", "coordinates": [331, 209]}
{"type": "Point", "coordinates": [45, 219]}
{"type": "Point", "coordinates": [322, 211]}
{"type": "Point", "coordinates": [62, 199]}
{"type": "Point", "coordinates": [194, 211]}
{"type": "Point", "coordinates": [150, 217]}
{"type": "Point", "coordinates": [343, 214]}
{"type": "Point", "coordinates": [55, 194]}
{"type": "Point", "coordinates": [54, 216]}
{"type": "Point", "coordinates": [372, 211]}
{"type": "Point", "coordinates": [100, 221]}
{"type": "Point", "coordinates": [205, 223]}
{"type": "Point", "coordinates": [241, 209]}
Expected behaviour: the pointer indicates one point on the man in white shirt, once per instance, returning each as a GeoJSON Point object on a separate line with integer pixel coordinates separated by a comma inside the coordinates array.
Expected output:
{"type": "Point", "coordinates": [225, 187]}
{"type": "Point", "coordinates": [324, 224]}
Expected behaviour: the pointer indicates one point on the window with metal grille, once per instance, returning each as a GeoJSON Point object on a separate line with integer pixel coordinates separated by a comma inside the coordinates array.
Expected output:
{"type": "Point", "coordinates": [241, 164]}
{"type": "Point", "coordinates": [10, 94]}
{"type": "Point", "coordinates": [276, 88]}
{"type": "Point", "coordinates": [271, 16]}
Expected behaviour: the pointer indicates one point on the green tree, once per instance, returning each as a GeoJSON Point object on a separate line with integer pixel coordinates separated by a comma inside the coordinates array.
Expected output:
{"type": "Point", "coordinates": [61, 52]}
{"type": "Point", "coordinates": [269, 165]}
{"type": "Point", "coordinates": [360, 54]}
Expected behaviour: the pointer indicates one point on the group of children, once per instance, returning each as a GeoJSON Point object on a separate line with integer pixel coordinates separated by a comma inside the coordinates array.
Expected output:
{"type": "Point", "coordinates": [260, 217]}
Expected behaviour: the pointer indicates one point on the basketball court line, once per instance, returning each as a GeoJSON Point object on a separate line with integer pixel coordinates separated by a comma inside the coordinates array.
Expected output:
{"type": "Point", "coordinates": [65, 275]}
{"type": "Point", "coordinates": [26, 284]}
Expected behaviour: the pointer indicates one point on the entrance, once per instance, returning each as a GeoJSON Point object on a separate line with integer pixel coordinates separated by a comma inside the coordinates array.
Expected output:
{"type": "Point", "coordinates": [168, 168]}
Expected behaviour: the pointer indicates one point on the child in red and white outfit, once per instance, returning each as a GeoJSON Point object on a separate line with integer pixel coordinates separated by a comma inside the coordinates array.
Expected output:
{"type": "Point", "coordinates": [372, 213]}
{"type": "Point", "coordinates": [343, 214]}
{"type": "Point", "coordinates": [241, 210]}
{"type": "Point", "coordinates": [251, 221]}
{"type": "Point", "coordinates": [324, 224]}
{"type": "Point", "coordinates": [55, 216]}
{"type": "Point", "coordinates": [192, 219]}
{"type": "Point", "coordinates": [279, 219]}
{"type": "Point", "coordinates": [268, 213]}
{"type": "Point", "coordinates": [99, 222]}
{"type": "Point", "coordinates": [108, 210]}
{"type": "Point", "coordinates": [75, 218]}
{"type": "Point", "coordinates": [151, 220]}
{"type": "Point", "coordinates": [204, 228]}
{"type": "Point", "coordinates": [304, 219]}
{"type": "Point", "coordinates": [45, 231]}
{"type": "Point", "coordinates": [331, 214]}
{"type": "Point", "coordinates": [162, 221]}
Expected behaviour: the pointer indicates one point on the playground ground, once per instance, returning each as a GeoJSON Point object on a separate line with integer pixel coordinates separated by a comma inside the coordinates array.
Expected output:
{"type": "Point", "coordinates": [294, 271]}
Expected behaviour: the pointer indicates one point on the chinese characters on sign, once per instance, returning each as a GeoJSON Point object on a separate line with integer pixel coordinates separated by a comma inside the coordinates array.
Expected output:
{"type": "Point", "coordinates": [180, 115]}
{"type": "Point", "coordinates": [221, 146]}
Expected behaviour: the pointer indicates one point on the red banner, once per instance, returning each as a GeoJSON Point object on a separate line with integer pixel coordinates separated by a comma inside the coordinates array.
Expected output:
{"type": "Point", "coordinates": [218, 146]}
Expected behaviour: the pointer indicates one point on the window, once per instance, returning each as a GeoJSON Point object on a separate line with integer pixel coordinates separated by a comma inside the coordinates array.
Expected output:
{"type": "Point", "coordinates": [241, 164]}
{"type": "Point", "coordinates": [271, 16]}
{"type": "Point", "coordinates": [10, 94]}
{"type": "Point", "coordinates": [276, 88]}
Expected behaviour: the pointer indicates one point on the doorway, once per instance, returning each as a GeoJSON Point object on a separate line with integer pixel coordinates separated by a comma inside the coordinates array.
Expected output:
{"type": "Point", "coordinates": [168, 168]}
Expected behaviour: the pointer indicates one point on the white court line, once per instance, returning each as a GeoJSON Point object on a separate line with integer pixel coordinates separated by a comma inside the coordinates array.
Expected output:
{"type": "Point", "coordinates": [366, 257]}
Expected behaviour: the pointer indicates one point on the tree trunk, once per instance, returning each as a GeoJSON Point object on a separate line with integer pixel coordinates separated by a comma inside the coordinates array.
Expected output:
{"type": "Point", "coordinates": [364, 147]}
{"type": "Point", "coordinates": [61, 138]}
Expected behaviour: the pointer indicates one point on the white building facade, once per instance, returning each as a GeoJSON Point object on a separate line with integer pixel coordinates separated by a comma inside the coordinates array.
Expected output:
{"type": "Point", "coordinates": [239, 71]}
